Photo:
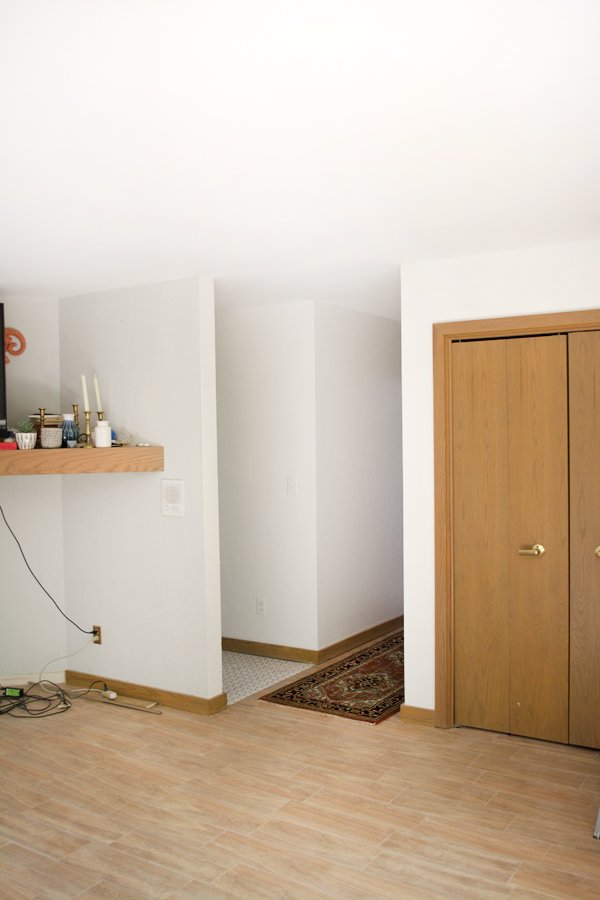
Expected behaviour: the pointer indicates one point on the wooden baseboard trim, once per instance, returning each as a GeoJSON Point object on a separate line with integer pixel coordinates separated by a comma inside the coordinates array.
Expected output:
{"type": "Point", "coordinates": [200, 705]}
{"type": "Point", "coordinates": [299, 654]}
{"type": "Point", "coordinates": [363, 637]}
{"type": "Point", "coordinates": [276, 651]}
{"type": "Point", "coordinates": [417, 714]}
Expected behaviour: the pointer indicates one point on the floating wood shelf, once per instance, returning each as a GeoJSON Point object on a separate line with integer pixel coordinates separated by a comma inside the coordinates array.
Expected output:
{"type": "Point", "coordinates": [81, 461]}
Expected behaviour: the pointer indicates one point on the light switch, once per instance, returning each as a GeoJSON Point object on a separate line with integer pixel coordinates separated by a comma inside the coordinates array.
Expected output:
{"type": "Point", "coordinates": [172, 498]}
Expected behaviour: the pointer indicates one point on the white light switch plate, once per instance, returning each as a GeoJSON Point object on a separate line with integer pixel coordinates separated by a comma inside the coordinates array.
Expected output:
{"type": "Point", "coordinates": [172, 498]}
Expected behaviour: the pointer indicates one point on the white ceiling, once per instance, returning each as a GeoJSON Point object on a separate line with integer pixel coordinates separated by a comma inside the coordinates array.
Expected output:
{"type": "Point", "coordinates": [293, 150]}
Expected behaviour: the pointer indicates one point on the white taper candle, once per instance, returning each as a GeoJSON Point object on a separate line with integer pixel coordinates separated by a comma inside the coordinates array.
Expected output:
{"type": "Point", "coordinates": [86, 402]}
{"type": "Point", "coordinates": [98, 401]}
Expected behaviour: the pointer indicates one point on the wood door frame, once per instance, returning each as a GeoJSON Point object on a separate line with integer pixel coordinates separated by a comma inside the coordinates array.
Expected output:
{"type": "Point", "coordinates": [444, 334]}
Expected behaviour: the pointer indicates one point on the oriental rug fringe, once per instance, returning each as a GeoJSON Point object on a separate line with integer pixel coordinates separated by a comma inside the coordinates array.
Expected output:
{"type": "Point", "coordinates": [367, 686]}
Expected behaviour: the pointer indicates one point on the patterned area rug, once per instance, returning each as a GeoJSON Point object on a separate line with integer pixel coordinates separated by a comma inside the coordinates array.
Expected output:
{"type": "Point", "coordinates": [368, 686]}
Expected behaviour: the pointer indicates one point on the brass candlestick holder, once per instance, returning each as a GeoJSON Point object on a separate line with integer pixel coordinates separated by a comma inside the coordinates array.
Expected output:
{"type": "Point", "coordinates": [88, 443]}
{"type": "Point", "coordinates": [100, 415]}
{"type": "Point", "coordinates": [42, 410]}
{"type": "Point", "coordinates": [76, 414]}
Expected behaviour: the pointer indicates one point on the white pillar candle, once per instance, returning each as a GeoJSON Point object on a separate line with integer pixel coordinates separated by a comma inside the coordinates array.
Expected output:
{"type": "Point", "coordinates": [98, 401]}
{"type": "Point", "coordinates": [86, 402]}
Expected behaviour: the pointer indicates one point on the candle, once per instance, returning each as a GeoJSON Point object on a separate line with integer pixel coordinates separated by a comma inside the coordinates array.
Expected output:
{"type": "Point", "coordinates": [86, 402]}
{"type": "Point", "coordinates": [98, 401]}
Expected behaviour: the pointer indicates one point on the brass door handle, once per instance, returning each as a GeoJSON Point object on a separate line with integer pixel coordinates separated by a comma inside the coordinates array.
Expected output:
{"type": "Point", "coordinates": [537, 550]}
{"type": "Point", "coordinates": [597, 551]}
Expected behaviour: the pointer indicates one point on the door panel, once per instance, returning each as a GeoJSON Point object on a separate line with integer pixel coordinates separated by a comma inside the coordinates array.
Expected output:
{"type": "Point", "coordinates": [538, 479]}
{"type": "Point", "coordinates": [584, 413]}
{"type": "Point", "coordinates": [480, 534]}
{"type": "Point", "coordinates": [510, 491]}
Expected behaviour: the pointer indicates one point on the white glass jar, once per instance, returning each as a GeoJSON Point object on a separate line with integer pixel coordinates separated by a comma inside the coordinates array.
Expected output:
{"type": "Point", "coordinates": [102, 435]}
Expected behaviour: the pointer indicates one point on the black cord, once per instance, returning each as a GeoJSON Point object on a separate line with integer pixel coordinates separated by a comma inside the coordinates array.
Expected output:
{"type": "Point", "coordinates": [38, 580]}
{"type": "Point", "coordinates": [53, 704]}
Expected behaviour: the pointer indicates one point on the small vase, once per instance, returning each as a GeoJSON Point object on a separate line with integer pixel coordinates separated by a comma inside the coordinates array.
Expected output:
{"type": "Point", "coordinates": [70, 432]}
{"type": "Point", "coordinates": [26, 439]}
{"type": "Point", "coordinates": [102, 435]}
{"type": "Point", "coordinates": [51, 438]}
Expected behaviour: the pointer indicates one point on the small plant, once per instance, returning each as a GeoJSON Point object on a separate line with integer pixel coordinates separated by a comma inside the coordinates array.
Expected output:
{"type": "Point", "coordinates": [25, 425]}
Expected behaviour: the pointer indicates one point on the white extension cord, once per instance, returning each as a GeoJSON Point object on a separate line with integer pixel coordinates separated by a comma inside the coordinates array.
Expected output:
{"type": "Point", "coordinates": [110, 695]}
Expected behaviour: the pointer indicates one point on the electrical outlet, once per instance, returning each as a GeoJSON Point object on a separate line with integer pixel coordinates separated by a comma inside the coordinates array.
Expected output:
{"type": "Point", "coordinates": [261, 607]}
{"type": "Point", "coordinates": [98, 634]}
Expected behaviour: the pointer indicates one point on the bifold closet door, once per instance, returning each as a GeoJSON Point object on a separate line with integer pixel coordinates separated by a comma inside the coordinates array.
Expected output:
{"type": "Point", "coordinates": [538, 487]}
{"type": "Point", "coordinates": [584, 414]}
{"type": "Point", "coordinates": [510, 493]}
{"type": "Point", "coordinates": [480, 488]}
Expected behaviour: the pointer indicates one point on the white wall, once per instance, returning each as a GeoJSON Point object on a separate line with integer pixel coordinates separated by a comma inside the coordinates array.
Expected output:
{"type": "Point", "coordinates": [33, 631]}
{"type": "Point", "coordinates": [359, 471]}
{"type": "Point", "coordinates": [540, 280]}
{"type": "Point", "coordinates": [266, 420]}
{"type": "Point", "coordinates": [142, 576]}
{"type": "Point", "coordinates": [310, 391]}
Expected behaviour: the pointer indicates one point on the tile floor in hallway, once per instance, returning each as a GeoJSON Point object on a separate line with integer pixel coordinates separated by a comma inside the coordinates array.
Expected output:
{"type": "Point", "coordinates": [245, 674]}
{"type": "Point", "coordinates": [261, 801]}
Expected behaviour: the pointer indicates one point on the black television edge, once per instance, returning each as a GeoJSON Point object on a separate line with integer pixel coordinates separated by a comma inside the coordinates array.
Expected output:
{"type": "Point", "coordinates": [3, 412]}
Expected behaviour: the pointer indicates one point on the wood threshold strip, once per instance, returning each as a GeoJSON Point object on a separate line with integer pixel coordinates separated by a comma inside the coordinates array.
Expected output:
{"type": "Point", "coordinates": [81, 461]}
{"type": "Point", "coordinates": [299, 654]}
{"type": "Point", "coordinates": [200, 705]}
{"type": "Point", "coordinates": [444, 334]}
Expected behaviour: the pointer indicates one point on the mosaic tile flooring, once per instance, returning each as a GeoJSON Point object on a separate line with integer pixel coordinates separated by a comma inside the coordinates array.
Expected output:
{"type": "Point", "coordinates": [245, 674]}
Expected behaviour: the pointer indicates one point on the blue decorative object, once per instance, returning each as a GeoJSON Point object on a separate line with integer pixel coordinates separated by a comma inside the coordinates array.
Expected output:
{"type": "Point", "coordinates": [70, 432]}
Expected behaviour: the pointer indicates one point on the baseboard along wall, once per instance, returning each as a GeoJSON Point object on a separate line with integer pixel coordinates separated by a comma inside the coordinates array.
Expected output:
{"type": "Point", "coordinates": [201, 705]}
{"type": "Point", "coordinates": [299, 654]}
{"type": "Point", "coordinates": [417, 714]}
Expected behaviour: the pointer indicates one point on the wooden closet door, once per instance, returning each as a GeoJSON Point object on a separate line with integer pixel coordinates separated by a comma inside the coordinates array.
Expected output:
{"type": "Point", "coordinates": [584, 412]}
{"type": "Point", "coordinates": [510, 491]}
{"type": "Point", "coordinates": [480, 490]}
{"type": "Point", "coordinates": [538, 489]}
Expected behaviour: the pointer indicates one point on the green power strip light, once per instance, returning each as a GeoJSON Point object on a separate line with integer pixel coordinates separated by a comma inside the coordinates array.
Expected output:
{"type": "Point", "coordinates": [11, 692]}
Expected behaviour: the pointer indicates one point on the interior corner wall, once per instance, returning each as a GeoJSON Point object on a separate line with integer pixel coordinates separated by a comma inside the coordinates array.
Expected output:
{"type": "Point", "coordinates": [138, 574]}
{"type": "Point", "coordinates": [266, 428]}
{"type": "Point", "coordinates": [513, 283]}
{"type": "Point", "coordinates": [359, 471]}
{"type": "Point", "coordinates": [33, 631]}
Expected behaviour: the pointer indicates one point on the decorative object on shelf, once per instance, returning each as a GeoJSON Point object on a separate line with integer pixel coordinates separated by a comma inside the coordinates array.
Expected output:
{"type": "Point", "coordinates": [25, 435]}
{"type": "Point", "coordinates": [26, 439]}
{"type": "Point", "coordinates": [70, 432]}
{"type": "Point", "coordinates": [102, 435]}
{"type": "Point", "coordinates": [125, 438]}
{"type": "Point", "coordinates": [12, 346]}
{"type": "Point", "coordinates": [76, 414]}
{"type": "Point", "coordinates": [87, 414]}
{"type": "Point", "coordinates": [50, 433]}
{"type": "Point", "coordinates": [51, 438]}
{"type": "Point", "coordinates": [45, 420]}
{"type": "Point", "coordinates": [98, 401]}
{"type": "Point", "coordinates": [86, 402]}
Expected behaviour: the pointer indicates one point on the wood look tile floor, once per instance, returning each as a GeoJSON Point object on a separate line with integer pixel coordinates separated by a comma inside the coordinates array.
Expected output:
{"type": "Point", "coordinates": [261, 801]}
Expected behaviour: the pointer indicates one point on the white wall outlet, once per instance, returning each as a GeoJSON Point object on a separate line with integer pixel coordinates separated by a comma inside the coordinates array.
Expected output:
{"type": "Point", "coordinates": [172, 498]}
{"type": "Point", "coordinates": [292, 485]}
{"type": "Point", "coordinates": [261, 606]}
